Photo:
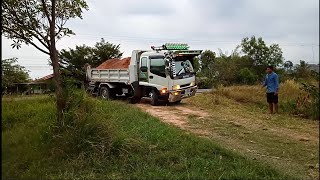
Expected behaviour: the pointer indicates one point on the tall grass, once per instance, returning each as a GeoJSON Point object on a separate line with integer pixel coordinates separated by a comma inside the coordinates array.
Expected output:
{"type": "Point", "coordinates": [110, 140]}
{"type": "Point", "coordinates": [293, 97]}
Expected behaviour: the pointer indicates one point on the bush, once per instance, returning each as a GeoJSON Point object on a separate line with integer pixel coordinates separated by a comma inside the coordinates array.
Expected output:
{"type": "Point", "coordinates": [204, 83]}
{"type": "Point", "coordinates": [82, 132]}
{"type": "Point", "coordinates": [247, 77]}
{"type": "Point", "coordinates": [309, 103]}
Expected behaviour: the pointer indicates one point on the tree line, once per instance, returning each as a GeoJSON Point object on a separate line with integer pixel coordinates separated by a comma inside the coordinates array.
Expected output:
{"type": "Point", "coordinates": [246, 64]}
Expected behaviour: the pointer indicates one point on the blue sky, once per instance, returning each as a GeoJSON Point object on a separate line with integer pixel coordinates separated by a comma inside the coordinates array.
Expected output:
{"type": "Point", "coordinates": [203, 24]}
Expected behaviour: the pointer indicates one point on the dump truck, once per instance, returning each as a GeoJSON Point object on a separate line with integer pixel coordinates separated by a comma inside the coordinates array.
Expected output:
{"type": "Point", "coordinates": [163, 73]}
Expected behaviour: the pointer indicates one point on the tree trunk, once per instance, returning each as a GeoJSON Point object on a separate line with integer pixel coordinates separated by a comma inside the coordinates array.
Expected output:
{"type": "Point", "coordinates": [60, 102]}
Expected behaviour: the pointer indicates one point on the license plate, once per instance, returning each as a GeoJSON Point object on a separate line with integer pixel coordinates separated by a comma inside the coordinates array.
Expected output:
{"type": "Point", "coordinates": [188, 92]}
{"type": "Point", "coordinates": [124, 90]}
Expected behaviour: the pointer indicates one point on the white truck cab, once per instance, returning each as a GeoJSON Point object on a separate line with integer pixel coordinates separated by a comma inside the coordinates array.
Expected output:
{"type": "Point", "coordinates": [164, 73]}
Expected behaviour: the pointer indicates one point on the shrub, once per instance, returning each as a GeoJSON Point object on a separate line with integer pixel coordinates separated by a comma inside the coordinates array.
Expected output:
{"type": "Point", "coordinates": [309, 103]}
{"type": "Point", "coordinates": [82, 132]}
{"type": "Point", "coordinates": [247, 77]}
{"type": "Point", "coordinates": [244, 93]}
{"type": "Point", "coordinates": [204, 82]}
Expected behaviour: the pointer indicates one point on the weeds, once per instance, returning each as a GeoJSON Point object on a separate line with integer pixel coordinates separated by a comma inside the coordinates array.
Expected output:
{"type": "Point", "coordinates": [309, 103]}
{"type": "Point", "coordinates": [294, 98]}
{"type": "Point", "coordinates": [111, 140]}
{"type": "Point", "coordinates": [82, 132]}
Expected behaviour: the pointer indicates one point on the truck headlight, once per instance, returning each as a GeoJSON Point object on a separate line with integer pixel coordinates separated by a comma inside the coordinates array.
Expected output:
{"type": "Point", "coordinates": [193, 83]}
{"type": "Point", "coordinates": [163, 91]}
{"type": "Point", "coordinates": [176, 87]}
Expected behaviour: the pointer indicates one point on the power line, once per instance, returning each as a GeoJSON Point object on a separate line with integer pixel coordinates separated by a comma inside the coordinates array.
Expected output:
{"type": "Point", "coordinates": [207, 42]}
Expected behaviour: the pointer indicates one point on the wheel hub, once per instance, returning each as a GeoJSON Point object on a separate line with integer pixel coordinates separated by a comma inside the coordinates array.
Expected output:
{"type": "Point", "coordinates": [151, 95]}
{"type": "Point", "coordinates": [104, 94]}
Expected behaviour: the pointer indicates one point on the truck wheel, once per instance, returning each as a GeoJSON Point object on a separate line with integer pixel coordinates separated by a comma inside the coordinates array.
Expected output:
{"type": "Point", "coordinates": [154, 97]}
{"type": "Point", "coordinates": [134, 100]}
{"type": "Point", "coordinates": [105, 93]}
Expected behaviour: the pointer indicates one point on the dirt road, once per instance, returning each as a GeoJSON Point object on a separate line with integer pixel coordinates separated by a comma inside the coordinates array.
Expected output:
{"type": "Point", "coordinates": [176, 115]}
{"type": "Point", "coordinates": [291, 148]}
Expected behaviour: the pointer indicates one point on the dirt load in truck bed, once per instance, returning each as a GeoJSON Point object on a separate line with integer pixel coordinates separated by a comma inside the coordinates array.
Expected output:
{"type": "Point", "coordinates": [115, 63]}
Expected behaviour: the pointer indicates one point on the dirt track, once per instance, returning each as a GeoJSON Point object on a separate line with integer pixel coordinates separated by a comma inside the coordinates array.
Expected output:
{"type": "Point", "coordinates": [249, 134]}
{"type": "Point", "coordinates": [176, 115]}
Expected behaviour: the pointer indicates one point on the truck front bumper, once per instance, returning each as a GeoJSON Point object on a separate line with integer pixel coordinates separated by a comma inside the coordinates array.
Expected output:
{"type": "Point", "coordinates": [177, 95]}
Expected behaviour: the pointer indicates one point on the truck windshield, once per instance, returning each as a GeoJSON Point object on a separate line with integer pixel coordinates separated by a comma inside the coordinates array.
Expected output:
{"type": "Point", "coordinates": [184, 69]}
{"type": "Point", "coordinates": [157, 66]}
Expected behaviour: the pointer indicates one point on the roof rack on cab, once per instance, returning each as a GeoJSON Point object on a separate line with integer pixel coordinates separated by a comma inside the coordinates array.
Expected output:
{"type": "Point", "coordinates": [171, 46]}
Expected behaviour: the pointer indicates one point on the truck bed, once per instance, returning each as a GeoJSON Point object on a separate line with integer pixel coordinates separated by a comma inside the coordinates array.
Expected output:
{"type": "Point", "coordinates": [108, 75]}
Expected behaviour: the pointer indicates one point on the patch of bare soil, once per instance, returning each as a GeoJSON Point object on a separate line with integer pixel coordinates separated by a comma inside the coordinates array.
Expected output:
{"type": "Point", "coordinates": [176, 115]}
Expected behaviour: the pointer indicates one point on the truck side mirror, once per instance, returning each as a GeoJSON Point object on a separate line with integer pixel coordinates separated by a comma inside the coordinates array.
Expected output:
{"type": "Point", "coordinates": [144, 69]}
{"type": "Point", "coordinates": [167, 62]}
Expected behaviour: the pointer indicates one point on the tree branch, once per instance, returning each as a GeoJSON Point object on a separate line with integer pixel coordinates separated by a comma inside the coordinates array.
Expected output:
{"type": "Point", "coordinates": [21, 36]}
{"type": "Point", "coordinates": [27, 27]}
{"type": "Point", "coordinates": [45, 39]}
{"type": "Point", "coordinates": [45, 9]}
{"type": "Point", "coordinates": [38, 48]}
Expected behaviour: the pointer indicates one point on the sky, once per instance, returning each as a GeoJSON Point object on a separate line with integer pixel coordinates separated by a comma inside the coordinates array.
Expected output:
{"type": "Point", "coordinates": [203, 24]}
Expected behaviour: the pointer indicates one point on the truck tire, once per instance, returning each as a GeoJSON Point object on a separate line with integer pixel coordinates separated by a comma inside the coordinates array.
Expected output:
{"type": "Point", "coordinates": [105, 93]}
{"type": "Point", "coordinates": [134, 100]}
{"type": "Point", "coordinates": [154, 97]}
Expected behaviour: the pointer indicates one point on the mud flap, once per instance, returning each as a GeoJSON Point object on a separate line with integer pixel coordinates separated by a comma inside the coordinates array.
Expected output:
{"type": "Point", "coordinates": [136, 93]}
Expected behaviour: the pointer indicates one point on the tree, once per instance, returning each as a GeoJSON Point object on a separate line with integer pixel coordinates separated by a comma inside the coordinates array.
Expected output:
{"type": "Point", "coordinates": [103, 51]}
{"type": "Point", "coordinates": [288, 65]}
{"type": "Point", "coordinates": [74, 60]}
{"type": "Point", "coordinates": [302, 70]}
{"type": "Point", "coordinates": [41, 23]}
{"type": "Point", "coordinates": [13, 73]}
{"type": "Point", "coordinates": [207, 58]}
{"type": "Point", "coordinates": [228, 67]}
{"type": "Point", "coordinates": [261, 54]}
{"type": "Point", "coordinates": [246, 76]}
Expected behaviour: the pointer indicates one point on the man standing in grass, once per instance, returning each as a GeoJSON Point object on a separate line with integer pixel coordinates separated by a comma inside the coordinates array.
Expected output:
{"type": "Point", "coordinates": [272, 83]}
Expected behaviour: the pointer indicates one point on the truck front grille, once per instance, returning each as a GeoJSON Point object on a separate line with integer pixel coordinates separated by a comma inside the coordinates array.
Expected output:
{"type": "Point", "coordinates": [184, 85]}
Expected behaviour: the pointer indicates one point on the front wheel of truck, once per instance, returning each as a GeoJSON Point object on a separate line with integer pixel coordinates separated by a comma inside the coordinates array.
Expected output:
{"type": "Point", "coordinates": [154, 97]}
{"type": "Point", "coordinates": [134, 100]}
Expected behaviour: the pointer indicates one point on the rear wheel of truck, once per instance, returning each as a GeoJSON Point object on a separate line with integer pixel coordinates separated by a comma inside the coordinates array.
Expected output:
{"type": "Point", "coordinates": [154, 97]}
{"type": "Point", "coordinates": [105, 93]}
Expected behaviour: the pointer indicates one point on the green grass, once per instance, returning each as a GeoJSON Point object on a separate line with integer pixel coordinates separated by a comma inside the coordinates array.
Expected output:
{"type": "Point", "coordinates": [239, 119]}
{"type": "Point", "coordinates": [141, 146]}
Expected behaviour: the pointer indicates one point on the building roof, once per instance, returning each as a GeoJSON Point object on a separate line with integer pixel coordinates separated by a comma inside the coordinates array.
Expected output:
{"type": "Point", "coordinates": [314, 67]}
{"type": "Point", "coordinates": [50, 76]}
{"type": "Point", "coordinates": [29, 83]}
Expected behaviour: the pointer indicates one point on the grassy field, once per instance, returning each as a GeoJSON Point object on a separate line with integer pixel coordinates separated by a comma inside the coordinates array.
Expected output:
{"type": "Point", "coordinates": [111, 140]}
{"type": "Point", "coordinates": [239, 120]}
{"type": "Point", "coordinates": [293, 100]}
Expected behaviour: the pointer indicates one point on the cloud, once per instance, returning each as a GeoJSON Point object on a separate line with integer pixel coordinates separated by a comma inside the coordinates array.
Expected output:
{"type": "Point", "coordinates": [204, 24]}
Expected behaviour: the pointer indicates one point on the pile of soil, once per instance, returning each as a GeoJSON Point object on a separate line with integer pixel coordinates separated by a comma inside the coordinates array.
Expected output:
{"type": "Point", "coordinates": [115, 63]}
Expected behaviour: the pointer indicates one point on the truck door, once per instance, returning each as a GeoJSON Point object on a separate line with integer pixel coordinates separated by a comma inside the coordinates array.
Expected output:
{"type": "Point", "coordinates": [157, 75]}
{"type": "Point", "coordinates": [143, 70]}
